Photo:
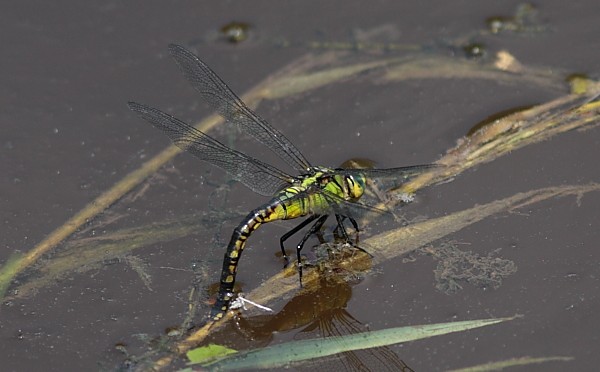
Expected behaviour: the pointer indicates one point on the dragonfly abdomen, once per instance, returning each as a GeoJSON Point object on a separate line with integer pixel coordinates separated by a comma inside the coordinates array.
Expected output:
{"type": "Point", "coordinates": [282, 207]}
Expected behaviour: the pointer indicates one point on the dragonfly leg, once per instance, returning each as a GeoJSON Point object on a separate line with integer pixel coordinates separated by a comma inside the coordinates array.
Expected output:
{"type": "Point", "coordinates": [292, 232]}
{"type": "Point", "coordinates": [340, 227]}
{"type": "Point", "coordinates": [355, 225]}
{"type": "Point", "coordinates": [313, 229]}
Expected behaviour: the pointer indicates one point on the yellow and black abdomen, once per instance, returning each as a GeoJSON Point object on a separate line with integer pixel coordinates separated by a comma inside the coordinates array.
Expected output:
{"type": "Point", "coordinates": [292, 202]}
{"type": "Point", "coordinates": [286, 205]}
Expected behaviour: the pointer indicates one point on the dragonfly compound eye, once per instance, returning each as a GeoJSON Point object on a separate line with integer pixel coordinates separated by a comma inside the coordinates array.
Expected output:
{"type": "Point", "coordinates": [356, 186]}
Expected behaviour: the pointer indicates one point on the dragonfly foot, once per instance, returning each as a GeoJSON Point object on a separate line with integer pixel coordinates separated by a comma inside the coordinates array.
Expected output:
{"type": "Point", "coordinates": [300, 271]}
{"type": "Point", "coordinates": [286, 261]}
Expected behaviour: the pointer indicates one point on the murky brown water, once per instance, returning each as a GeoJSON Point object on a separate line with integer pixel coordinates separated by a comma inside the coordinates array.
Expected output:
{"type": "Point", "coordinates": [66, 136]}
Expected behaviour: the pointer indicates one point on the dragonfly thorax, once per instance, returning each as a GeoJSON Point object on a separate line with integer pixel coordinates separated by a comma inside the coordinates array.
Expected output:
{"type": "Point", "coordinates": [333, 181]}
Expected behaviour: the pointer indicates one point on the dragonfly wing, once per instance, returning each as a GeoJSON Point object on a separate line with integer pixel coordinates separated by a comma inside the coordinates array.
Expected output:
{"type": "Point", "coordinates": [391, 177]}
{"type": "Point", "coordinates": [222, 99]}
{"type": "Point", "coordinates": [260, 177]}
{"type": "Point", "coordinates": [401, 172]}
{"type": "Point", "coordinates": [347, 208]}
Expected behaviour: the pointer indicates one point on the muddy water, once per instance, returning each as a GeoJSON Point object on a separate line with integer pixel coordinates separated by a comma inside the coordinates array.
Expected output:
{"type": "Point", "coordinates": [66, 136]}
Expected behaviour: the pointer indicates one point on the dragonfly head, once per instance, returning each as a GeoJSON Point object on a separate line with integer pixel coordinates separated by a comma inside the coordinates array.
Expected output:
{"type": "Point", "coordinates": [357, 182]}
{"type": "Point", "coordinates": [353, 185]}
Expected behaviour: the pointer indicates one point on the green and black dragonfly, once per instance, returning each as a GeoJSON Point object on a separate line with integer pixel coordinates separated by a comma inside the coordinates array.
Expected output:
{"type": "Point", "coordinates": [315, 193]}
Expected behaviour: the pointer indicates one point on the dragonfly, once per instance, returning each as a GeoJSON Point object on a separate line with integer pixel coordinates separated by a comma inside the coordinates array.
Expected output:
{"type": "Point", "coordinates": [315, 192]}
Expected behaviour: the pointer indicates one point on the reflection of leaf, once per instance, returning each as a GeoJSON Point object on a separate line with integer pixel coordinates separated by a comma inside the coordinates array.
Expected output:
{"type": "Point", "coordinates": [284, 354]}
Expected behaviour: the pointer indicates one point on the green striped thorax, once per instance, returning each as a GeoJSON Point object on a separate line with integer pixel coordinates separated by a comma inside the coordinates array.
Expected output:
{"type": "Point", "coordinates": [346, 186]}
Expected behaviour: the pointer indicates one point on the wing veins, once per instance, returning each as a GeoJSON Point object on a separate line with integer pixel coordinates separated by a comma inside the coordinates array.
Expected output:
{"type": "Point", "coordinates": [260, 177]}
{"type": "Point", "coordinates": [406, 172]}
{"type": "Point", "coordinates": [221, 98]}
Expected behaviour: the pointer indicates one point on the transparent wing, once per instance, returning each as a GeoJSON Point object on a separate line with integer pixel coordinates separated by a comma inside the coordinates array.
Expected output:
{"type": "Point", "coordinates": [346, 208]}
{"type": "Point", "coordinates": [260, 177]}
{"type": "Point", "coordinates": [401, 172]}
{"type": "Point", "coordinates": [222, 99]}
{"type": "Point", "coordinates": [390, 178]}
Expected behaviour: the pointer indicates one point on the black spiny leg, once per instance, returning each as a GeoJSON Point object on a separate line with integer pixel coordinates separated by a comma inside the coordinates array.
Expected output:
{"type": "Point", "coordinates": [313, 229]}
{"type": "Point", "coordinates": [292, 232]}
{"type": "Point", "coordinates": [340, 226]}
{"type": "Point", "coordinates": [355, 225]}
